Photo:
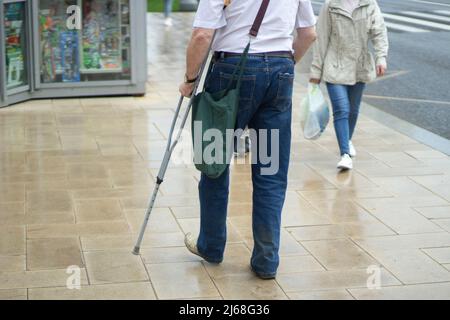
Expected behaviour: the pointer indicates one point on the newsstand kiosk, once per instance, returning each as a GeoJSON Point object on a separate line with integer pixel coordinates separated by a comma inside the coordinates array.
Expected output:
{"type": "Point", "coordinates": [71, 48]}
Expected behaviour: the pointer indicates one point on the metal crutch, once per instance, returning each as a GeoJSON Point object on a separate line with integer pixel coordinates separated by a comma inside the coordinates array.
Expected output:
{"type": "Point", "coordinates": [169, 150]}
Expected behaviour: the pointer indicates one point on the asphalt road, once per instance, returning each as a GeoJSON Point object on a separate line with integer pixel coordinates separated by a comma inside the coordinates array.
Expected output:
{"type": "Point", "coordinates": [417, 87]}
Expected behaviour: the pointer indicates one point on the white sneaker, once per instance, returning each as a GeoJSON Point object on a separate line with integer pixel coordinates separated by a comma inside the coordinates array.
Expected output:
{"type": "Point", "coordinates": [346, 163]}
{"type": "Point", "coordinates": [168, 22]}
{"type": "Point", "coordinates": [244, 146]}
{"type": "Point", "coordinates": [352, 150]}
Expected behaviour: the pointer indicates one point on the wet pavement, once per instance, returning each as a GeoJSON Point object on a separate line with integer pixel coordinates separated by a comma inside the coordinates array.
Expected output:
{"type": "Point", "coordinates": [76, 174]}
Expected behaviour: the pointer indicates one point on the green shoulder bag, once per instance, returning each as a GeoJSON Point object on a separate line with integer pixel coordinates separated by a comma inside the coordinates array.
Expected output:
{"type": "Point", "coordinates": [213, 114]}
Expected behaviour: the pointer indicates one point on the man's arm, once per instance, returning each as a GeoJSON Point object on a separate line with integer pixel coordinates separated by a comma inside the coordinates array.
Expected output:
{"type": "Point", "coordinates": [210, 17]}
{"type": "Point", "coordinates": [305, 38]}
{"type": "Point", "coordinates": [197, 50]}
{"type": "Point", "coordinates": [196, 54]}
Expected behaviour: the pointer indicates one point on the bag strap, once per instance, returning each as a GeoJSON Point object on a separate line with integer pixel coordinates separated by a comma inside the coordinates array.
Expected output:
{"type": "Point", "coordinates": [239, 68]}
{"type": "Point", "coordinates": [259, 18]}
{"type": "Point", "coordinates": [254, 33]}
{"type": "Point", "coordinates": [243, 64]}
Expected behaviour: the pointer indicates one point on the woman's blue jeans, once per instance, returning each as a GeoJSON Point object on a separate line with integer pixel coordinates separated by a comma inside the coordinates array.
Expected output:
{"type": "Point", "coordinates": [265, 103]}
{"type": "Point", "coordinates": [167, 8]}
{"type": "Point", "coordinates": [346, 101]}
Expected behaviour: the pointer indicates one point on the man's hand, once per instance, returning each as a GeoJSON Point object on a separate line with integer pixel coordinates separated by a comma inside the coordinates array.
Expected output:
{"type": "Point", "coordinates": [315, 81]}
{"type": "Point", "coordinates": [186, 89]}
{"type": "Point", "coordinates": [381, 70]}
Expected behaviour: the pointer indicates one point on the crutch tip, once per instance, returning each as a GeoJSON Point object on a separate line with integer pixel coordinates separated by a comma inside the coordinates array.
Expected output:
{"type": "Point", "coordinates": [136, 251]}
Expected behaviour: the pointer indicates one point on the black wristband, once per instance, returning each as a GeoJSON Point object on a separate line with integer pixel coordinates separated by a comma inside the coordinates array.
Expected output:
{"type": "Point", "coordinates": [187, 80]}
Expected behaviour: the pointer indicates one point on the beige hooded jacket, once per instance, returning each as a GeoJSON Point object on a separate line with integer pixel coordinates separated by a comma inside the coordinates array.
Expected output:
{"type": "Point", "coordinates": [341, 51]}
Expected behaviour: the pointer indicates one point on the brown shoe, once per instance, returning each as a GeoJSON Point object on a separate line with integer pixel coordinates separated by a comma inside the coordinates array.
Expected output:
{"type": "Point", "coordinates": [263, 276]}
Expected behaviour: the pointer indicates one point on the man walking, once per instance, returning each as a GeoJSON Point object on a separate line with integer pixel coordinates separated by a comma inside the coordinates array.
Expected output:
{"type": "Point", "coordinates": [265, 105]}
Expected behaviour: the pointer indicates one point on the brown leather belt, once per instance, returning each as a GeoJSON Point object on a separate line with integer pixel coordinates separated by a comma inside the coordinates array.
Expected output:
{"type": "Point", "coordinates": [274, 54]}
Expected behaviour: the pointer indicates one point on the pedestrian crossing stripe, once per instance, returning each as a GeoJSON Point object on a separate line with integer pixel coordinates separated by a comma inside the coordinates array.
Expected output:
{"type": "Point", "coordinates": [443, 12]}
{"type": "Point", "coordinates": [427, 16]}
{"type": "Point", "coordinates": [404, 28]}
{"type": "Point", "coordinates": [415, 21]}
{"type": "Point", "coordinates": [412, 25]}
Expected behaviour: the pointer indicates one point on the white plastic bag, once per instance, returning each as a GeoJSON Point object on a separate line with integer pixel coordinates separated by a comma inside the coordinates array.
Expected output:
{"type": "Point", "coordinates": [314, 113]}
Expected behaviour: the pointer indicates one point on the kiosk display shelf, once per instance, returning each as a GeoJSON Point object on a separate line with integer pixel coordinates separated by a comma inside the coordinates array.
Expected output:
{"type": "Point", "coordinates": [99, 51]}
{"type": "Point", "coordinates": [15, 44]}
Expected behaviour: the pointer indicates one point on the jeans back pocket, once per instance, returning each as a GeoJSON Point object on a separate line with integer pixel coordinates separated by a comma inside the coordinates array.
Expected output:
{"type": "Point", "coordinates": [284, 91]}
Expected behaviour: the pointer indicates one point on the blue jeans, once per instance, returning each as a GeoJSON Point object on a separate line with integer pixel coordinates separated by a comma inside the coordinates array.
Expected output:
{"type": "Point", "coordinates": [167, 8]}
{"type": "Point", "coordinates": [346, 101]}
{"type": "Point", "coordinates": [265, 103]}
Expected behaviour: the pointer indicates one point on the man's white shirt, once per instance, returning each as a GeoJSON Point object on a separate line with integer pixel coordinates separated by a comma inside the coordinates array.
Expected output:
{"type": "Point", "coordinates": [233, 24]}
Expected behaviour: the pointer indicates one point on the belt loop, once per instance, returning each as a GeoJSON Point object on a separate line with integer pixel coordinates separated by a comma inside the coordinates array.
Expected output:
{"type": "Point", "coordinates": [222, 55]}
{"type": "Point", "coordinates": [266, 57]}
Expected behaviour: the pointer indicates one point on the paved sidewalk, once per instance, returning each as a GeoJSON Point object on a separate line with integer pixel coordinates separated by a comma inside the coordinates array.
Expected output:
{"type": "Point", "coordinates": [75, 176]}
